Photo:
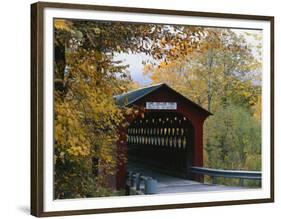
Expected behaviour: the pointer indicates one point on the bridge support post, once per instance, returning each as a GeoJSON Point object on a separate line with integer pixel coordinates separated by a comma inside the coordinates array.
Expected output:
{"type": "Point", "coordinates": [214, 180]}
{"type": "Point", "coordinates": [150, 186]}
{"type": "Point", "coordinates": [198, 148]}
{"type": "Point", "coordinates": [241, 182]}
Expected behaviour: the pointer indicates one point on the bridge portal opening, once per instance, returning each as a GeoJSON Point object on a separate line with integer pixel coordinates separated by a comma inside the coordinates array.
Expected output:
{"type": "Point", "coordinates": [164, 141]}
{"type": "Point", "coordinates": [168, 138]}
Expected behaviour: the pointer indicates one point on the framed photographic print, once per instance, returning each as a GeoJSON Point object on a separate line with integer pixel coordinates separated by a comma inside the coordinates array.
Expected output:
{"type": "Point", "coordinates": [139, 109]}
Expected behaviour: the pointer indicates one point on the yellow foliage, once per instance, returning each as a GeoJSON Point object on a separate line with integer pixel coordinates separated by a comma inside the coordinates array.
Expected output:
{"type": "Point", "coordinates": [62, 24]}
{"type": "Point", "coordinates": [86, 119]}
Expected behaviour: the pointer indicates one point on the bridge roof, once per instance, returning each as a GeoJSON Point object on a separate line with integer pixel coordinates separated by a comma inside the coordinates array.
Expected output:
{"type": "Point", "coordinates": [127, 99]}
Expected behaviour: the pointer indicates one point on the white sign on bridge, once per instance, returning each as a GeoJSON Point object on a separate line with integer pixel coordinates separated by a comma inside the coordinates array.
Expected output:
{"type": "Point", "coordinates": [161, 105]}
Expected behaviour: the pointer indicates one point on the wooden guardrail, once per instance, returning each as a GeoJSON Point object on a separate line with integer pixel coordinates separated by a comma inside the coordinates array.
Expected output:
{"type": "Point", "coordinates": [214, 173]}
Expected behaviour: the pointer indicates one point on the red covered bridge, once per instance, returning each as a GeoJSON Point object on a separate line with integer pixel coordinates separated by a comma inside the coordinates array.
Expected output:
{"type": "Point", "coordinates": [170, 134]}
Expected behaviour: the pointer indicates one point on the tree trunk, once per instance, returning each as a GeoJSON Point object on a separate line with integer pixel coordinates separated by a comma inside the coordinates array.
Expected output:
{"type": "Point", "coordinates": [59, 67]}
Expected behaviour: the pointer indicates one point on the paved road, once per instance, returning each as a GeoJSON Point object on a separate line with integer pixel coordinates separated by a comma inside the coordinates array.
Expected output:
{"type": "Point", "coordinates": [171, 184]}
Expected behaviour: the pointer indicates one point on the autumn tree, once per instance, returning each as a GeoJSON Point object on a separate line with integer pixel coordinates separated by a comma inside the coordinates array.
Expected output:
{"type": "Point", "coordinates": [222, 65]}
{"type": "Point", "coordinates": [221, 74]}
{"type": "Point", "coordinates": [86, 78]}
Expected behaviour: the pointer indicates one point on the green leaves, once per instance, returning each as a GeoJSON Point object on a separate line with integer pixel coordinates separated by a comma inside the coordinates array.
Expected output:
{"type": "Point", "coordinates": [233, 140]}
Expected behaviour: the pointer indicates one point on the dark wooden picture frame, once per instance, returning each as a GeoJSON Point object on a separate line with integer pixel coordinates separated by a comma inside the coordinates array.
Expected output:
{"type": "Point", "coordinates": [37, 108]}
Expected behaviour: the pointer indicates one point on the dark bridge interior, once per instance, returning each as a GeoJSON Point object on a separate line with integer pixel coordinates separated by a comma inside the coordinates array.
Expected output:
{"type": "Point", "coordinates": [162, 140]}
{"type": "Point", "coordinates": [167, 139]}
